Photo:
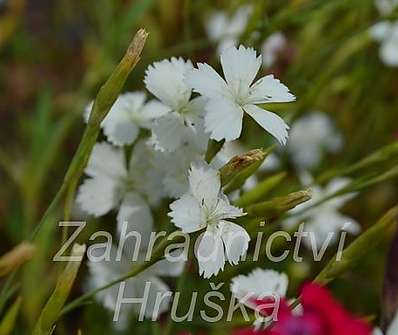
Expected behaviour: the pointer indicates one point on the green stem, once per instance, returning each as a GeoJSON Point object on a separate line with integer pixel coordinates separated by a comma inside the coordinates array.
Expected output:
{"type": "Point", "coordinates": [156, 256]}
{"type": "Point", "coordinates": [106, 97]}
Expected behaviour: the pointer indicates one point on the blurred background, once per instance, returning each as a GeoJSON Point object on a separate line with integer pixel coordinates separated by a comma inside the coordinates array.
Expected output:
{"type": "Point", "coordinates": [54, 55]}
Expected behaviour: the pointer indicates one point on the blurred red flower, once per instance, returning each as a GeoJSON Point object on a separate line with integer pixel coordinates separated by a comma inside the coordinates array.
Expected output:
{"type": "Point", "coordinates": [321, 315]}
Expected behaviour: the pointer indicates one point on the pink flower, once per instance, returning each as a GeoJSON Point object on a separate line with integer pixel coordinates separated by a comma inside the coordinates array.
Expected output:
{"type": "Point", "coordinates": [322, 315]}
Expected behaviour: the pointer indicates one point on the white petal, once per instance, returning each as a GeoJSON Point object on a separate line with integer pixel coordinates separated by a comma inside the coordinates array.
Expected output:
{"type": "Point", "coordinates": [150, 111]}
{"type": "Point", "coordinates": [119, 126]}
{"type": "Point", "coordinates": [269, 89]}
{"type": "Point", "coordinates": [131, 100]}
{"type": "Point", "coordinates": [106, 161]}
{"type": "Point", "coordinates": [335, 185]}
{"type": "Point", "coordinates": [103, 272]}
{"type": "Point", "coordinates": [381, 30]}
{"type": "Point", "coordinates": [327, 225]}
{"type": "Point", "coordinates": [240, 66]}
{"type": "Point", "coordinates": [389, 52]}
{"type": "Point", "coordinates": [97, 196]}
{"type": "Point", "coordinates": [226, 43]}
{"type": "Point", "coordinates": [385, 7]}
{"type": "Point", "coordinates": [350, 225]}
{"type": "Point", "coordinates": [393, 329]}
{"type": "Point", "coordinates": [206, 81]}
{"type": "Point", "coordinates": [210, 254]}
{"type": "Point", "coordinates": [187, 214]}
{"type": "Point", "coordinates": [168, 133]}
{"type": "Point", "coordinates": [271, 122]}
{"type": "Point", "coordinates": [238, 22]}
{"type": "Point", "coordinates": [196, 111]}
{"type": "Point", "coordinates": [175, 184]}
{"type": "Point", "coordinates": [205, 184]}
{"type": "Point", "coordinates": [165, 80]}
{"type": "Point", "coordinates": [223, 120]}
{"type": "Point", "coordinates": [216, 25]}
{"type": "Point", "coordinates": [136, 214]}
{"type": "Point", "coordinates": [225, 210]}
{"type": "Point", "coordinates": [120, 130]}
{"type": "Point", "coordinates": [170, 268]}
{"type": "Point", "coordinates": [196, 135]}
{"type": "Point", "coordinates": [260, 284]}
{"type": "Point", "coordinates": [272, 46]}
{"type": "Point", "coordinates": [175, 166]}
{"type": "Point", "coordinates": [236, 241]}
{"type": "Point", "coordinates": [309, 136]}
{"type": "Point", "coordinates": [144, 172]}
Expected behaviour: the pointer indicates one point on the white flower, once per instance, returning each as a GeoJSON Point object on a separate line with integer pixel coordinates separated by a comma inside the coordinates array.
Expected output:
{"type": "Point", "coordinates": [309, 137]}
{"type": "Point", "coordinates": [228, 100]}
{"type": "Point", "coordinates": [174, 167]}
{"type": "Point", "coordinates": [111, 185]}
{"type": "Point", "coordinates": [259, 284]}
{"type": "Point", "coordinates": [227, 30]}
{"type": "Point", "coordinates": [392, 330]}
{"type": "Point", "coordinates": [387, 34]}
{"type": "Point", "coordinates": [386, 7]}
{"type": "Point", "coordinates": [184, 122]}
{"type": "Point", "coordinates": [128, 114]}
{"type": "Point", "coordinates": [324, 219]}
{"type": "Point", "coordinates": [205, 206]}
{"type": "Point", "coordinates": [272, 46]}
{"type": "Point", "coordinates": [102, 272]}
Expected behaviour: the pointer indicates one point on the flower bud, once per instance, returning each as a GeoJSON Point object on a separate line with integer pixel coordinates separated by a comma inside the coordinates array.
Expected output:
{"type": "Point", "coordinates": [276, 207]}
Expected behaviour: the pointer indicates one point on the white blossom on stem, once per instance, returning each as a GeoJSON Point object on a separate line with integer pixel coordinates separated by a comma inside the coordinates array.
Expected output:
{"type": "Point", "coordinates": [204, 206]}
{"type": "Point", "coordinates": [128, 114]}
{"type": "Point", "coordinates": [184, 121]}
{"type": "Point", "coordinates": [104, 270]}
{"type": "Point", "coordinates": [324, 219]}
{"type": "Point", "coordinates": [271, 48]}
{"type": "Point", "coordinates": [228, 100]}
{"type": "Point", "coordinates": [259, 289]}
{"type": "Point", "coordinates": [225, 29]}
{"type": "Point", "coordinates": [386, 7]}
{"type": "Point", "coordinates": [387, 34]}
{"type": "Point", "coordinates": [113, 185]}
{"type": "Point", "coordinates": [309, 137]}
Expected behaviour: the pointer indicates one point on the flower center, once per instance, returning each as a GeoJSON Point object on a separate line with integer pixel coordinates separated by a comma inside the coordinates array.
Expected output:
{"type": "Point", "coordinates": [240, 92]}
{"type": "Point", "coordinates": [213, 214]}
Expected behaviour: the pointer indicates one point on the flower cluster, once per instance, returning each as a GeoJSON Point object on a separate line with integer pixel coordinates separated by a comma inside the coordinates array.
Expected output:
{"type": "Point", "coordinates": [155, 150]}
{"type": "Point", "coordinates": [155, 153]}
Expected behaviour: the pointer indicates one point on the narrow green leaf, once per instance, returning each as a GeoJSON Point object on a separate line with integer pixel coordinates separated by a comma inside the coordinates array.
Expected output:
{"type": "Point", "coordinates": [364, 244]}
{"type": "Point", "coordinates": [8, 323]}
{"type": "Point", "coordinates": [106, 97]}
{"type": "Point", "coordinates": [51, 311]}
